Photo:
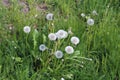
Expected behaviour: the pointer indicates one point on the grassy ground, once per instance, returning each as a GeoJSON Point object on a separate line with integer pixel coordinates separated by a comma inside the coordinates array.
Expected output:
{"type": "Point", "coordinates": [21, 59]}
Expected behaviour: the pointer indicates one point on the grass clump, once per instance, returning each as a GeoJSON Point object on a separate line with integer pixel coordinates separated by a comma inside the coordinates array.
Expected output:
{"type": "Point", "coordinates": [59, 40]}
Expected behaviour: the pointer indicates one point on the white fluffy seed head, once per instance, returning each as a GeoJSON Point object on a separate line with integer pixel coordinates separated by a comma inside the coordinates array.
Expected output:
{"type": "Point", "coordinates": [61, 34]}
{"type": "Point", "coordinates": [42, 47]}
{"type": "Point", "coordinates": [26, 29]}
{"type": "Point", "coordinates": [90, 22]}
{"type": "Point", "coordinates": [52, 37]}
{"type": "Point", "coordinates": [49, 16]}
{"type": "Point", "coordinates": [59, 54]}
{"type": "Point", "coordinates": [69, 49]}
{"type": "Point", "coordinates": [75, 40]}
{"type": "Point", "coordinates": [82, 14]}
{"type": "Point", "coordinates": [62, 79]}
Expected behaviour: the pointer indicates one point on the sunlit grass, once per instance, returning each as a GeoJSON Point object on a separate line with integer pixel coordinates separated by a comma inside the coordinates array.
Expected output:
{"type": "Point", "coordinates": [96, 57]}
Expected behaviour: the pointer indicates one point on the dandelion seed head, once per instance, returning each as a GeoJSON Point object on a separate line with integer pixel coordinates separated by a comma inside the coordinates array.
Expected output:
{"type": "Point", "coordinates": [49, 16]}
{"type": "Point", "coordinates": [26, 29]}
{"type": "Point", "coordinates": [59, 54]}
{"type": "Point", "coordinates": [69, 49]}
{"type": "Point", "coordinates": [42, 47]}
{"type": "Point", "coordinates": [75, 40]}
{"type": "Point", "coordinates": [82, 14]}
{"type": "Point", "coordinates": [61, 34]}
{"type": "Point", "coordinates": [90, 22]}
{"type": "Point", "coordinates": [62, 79]}
{"type": "Point", "coordinates": [52, 37]}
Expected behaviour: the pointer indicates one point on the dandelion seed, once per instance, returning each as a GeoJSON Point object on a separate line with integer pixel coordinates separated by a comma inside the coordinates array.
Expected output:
{"type": "Point", "coordinates": [90, 22]}
{"type": "Point", "coordinates": [26, 29]}
{"type": "Point", "coordinates": [52, 37]}
{"type": "Point", "coordinates": [69, 49]}
{"type": "Point", "coordinates": [62, 79]}
{"type": "Point", "coordinates": [62, 60]}
{"type": "Point", "coordinates": [42, 47]}
{"type": "Point", "coordinates": [75, 40]}
{"type": "Point", "coordinates": [49, 16]}
{"type": "Point", "coordinates": [94, 12]}
{"type": "Point", "coordinates": [82, 14]}
{"type": "Point", "coordinates": [61, 34]}
{"type": "Point", "coordinates": [11, 27]}
{"type": "Point", "coordinates": [59, 54]}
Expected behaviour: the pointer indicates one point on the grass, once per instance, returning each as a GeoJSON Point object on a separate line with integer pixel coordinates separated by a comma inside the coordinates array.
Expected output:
{"type": "Point", "coordinates": [21, 59]}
